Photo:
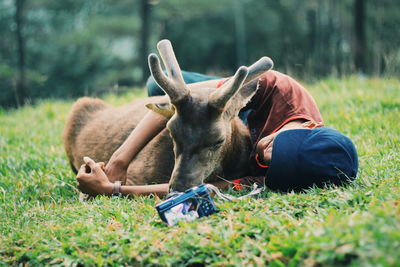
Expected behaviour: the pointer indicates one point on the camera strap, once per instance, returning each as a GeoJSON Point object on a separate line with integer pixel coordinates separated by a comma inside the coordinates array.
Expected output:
{"type": "Point", "coordinates": [256, 190]}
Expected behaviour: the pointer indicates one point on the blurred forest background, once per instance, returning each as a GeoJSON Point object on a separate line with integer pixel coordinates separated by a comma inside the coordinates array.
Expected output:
{"type": "Point", "coordinates": [69, 48]}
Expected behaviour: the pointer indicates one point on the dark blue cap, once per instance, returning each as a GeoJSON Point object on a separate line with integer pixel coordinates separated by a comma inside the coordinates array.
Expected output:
{"type": "Point", "coordinates": [302, 158]}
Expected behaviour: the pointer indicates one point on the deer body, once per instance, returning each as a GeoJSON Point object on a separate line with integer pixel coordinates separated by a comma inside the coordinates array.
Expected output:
{"type": "Point", "coordinates": [204, 138]}
{"type": "Point", "coordinates": [96, 129]}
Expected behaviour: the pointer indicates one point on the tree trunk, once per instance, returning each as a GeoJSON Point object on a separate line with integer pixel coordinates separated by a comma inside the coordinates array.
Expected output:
{"type": "Point", "coordinates": [144, 36]}
{"type": "Point", "coordinates": [240, 32]}
{"type": "Point", "coordinates": [311, 38]}
{"type": "Point", "coordinates": [359, 34]}
{"type": "Point", "coordinates": [20, 95]}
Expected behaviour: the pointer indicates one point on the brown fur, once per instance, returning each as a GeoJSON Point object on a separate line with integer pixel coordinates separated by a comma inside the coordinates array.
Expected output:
{"type": "Point", "coordinates": [96, 129]}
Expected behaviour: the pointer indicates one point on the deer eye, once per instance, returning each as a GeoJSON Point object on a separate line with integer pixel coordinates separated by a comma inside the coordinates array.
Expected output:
{"type": "Point", "coordinates": [217, 145]}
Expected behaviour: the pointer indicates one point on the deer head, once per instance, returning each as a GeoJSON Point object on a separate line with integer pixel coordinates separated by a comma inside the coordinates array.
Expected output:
{"type": "Point", "coordinates": [201, 121]}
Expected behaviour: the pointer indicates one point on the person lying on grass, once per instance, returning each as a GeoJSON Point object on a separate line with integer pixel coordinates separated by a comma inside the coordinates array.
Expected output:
{"type": "Point", "coordinates": [292, 149]}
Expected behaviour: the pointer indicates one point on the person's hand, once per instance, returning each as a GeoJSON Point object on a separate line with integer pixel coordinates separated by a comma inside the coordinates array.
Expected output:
{"type": "Point", "coordinates": [92, 179]}
{"type": "Point", "coordinates": [115, 171]}
{"type": "Point", "coordinates": [264, 148]}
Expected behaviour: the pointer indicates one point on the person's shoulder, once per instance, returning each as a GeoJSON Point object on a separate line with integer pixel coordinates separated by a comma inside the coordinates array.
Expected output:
{"type": "Point", "coordinates": [274, 74]}
{"type": "Point", "coordinates": [272, 78]}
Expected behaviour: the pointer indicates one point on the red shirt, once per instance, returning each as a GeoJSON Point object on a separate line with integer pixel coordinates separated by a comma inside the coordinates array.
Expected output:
{"type": "Point", "coordinates": [279, 100]}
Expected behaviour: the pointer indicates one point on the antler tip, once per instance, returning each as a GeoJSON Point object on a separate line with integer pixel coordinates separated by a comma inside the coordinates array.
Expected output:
{"type": "Point", "coordinates": [243, 71]}
{"type": "Point", "coordinates": [266, 61]}
{"type": "Point", "coordinates": [153, 56]}
{"type": "Point", "coordinates": [153, 60]}
{"type": "Point", "coordinates": [164, 43]}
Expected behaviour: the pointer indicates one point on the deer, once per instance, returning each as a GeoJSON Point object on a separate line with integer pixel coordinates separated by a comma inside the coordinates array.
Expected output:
{"type": "Point", "coordinates": [204, 138]}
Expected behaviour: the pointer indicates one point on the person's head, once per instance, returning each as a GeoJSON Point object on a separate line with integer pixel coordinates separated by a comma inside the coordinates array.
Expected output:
{"type": "Point", "coordinates": [301, 158]}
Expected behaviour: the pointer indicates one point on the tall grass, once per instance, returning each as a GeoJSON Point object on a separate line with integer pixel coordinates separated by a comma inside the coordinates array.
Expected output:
{"type": "Point", "coordinates": [44, 223]}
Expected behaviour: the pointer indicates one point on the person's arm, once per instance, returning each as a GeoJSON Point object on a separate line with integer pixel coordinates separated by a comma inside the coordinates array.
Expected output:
{"type": "Point", "coordinates": [92, 180]}
{"type": "Point", "coordinates": [151, 124]}
{"type": "Point", "coordinates": [143, 190]}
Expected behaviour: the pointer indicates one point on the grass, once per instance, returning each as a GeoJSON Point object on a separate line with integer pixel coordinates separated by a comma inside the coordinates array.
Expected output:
{"type": "Point", "coordinates": [44, 223]}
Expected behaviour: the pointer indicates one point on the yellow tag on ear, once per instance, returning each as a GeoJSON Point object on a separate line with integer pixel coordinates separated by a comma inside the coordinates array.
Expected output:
{"type": "Point", "coordinates": [166, 110]}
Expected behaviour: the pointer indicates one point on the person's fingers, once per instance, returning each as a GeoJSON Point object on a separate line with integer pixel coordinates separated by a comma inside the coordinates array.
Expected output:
{"type": "Point", "coordinates": [82, 169]}
{"type": "Point", "coordinates": [82, 176]}
{"type": "Point", "coordinates": [263, 144]}
{"type": "Point", "coordinates": [108, 165]}
{"type": "Point", "coordinates": [91, 163]}
{"type": "Point", "coordinates": [102, 165]}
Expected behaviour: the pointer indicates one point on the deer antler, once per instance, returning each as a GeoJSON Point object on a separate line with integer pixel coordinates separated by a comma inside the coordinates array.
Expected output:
{"type": "Point", "coordinates": [256, 69]}
{"type": "Point", "coordinates": [259, 67]}
{"type": "Point", "coordinates": [173, 85]}
{"type": "Point", "coordinates": [243, 75]}
{"type": "Point", "coordinates": [219, 98]}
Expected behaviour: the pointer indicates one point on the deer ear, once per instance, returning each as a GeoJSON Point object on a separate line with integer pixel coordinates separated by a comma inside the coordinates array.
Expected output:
{"type": "Point", "coordinates": [166, 109]}
{"type": "Point", "coordinates": [249, 88]}
{"type": "Point", "coordinates": [241, 99]}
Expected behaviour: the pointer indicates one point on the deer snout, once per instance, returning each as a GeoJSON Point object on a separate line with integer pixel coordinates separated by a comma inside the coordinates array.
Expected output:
{"type": "Point", "coordinates": [182, 183]}
{"type": "Point", "coordinates": [185, 177]}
